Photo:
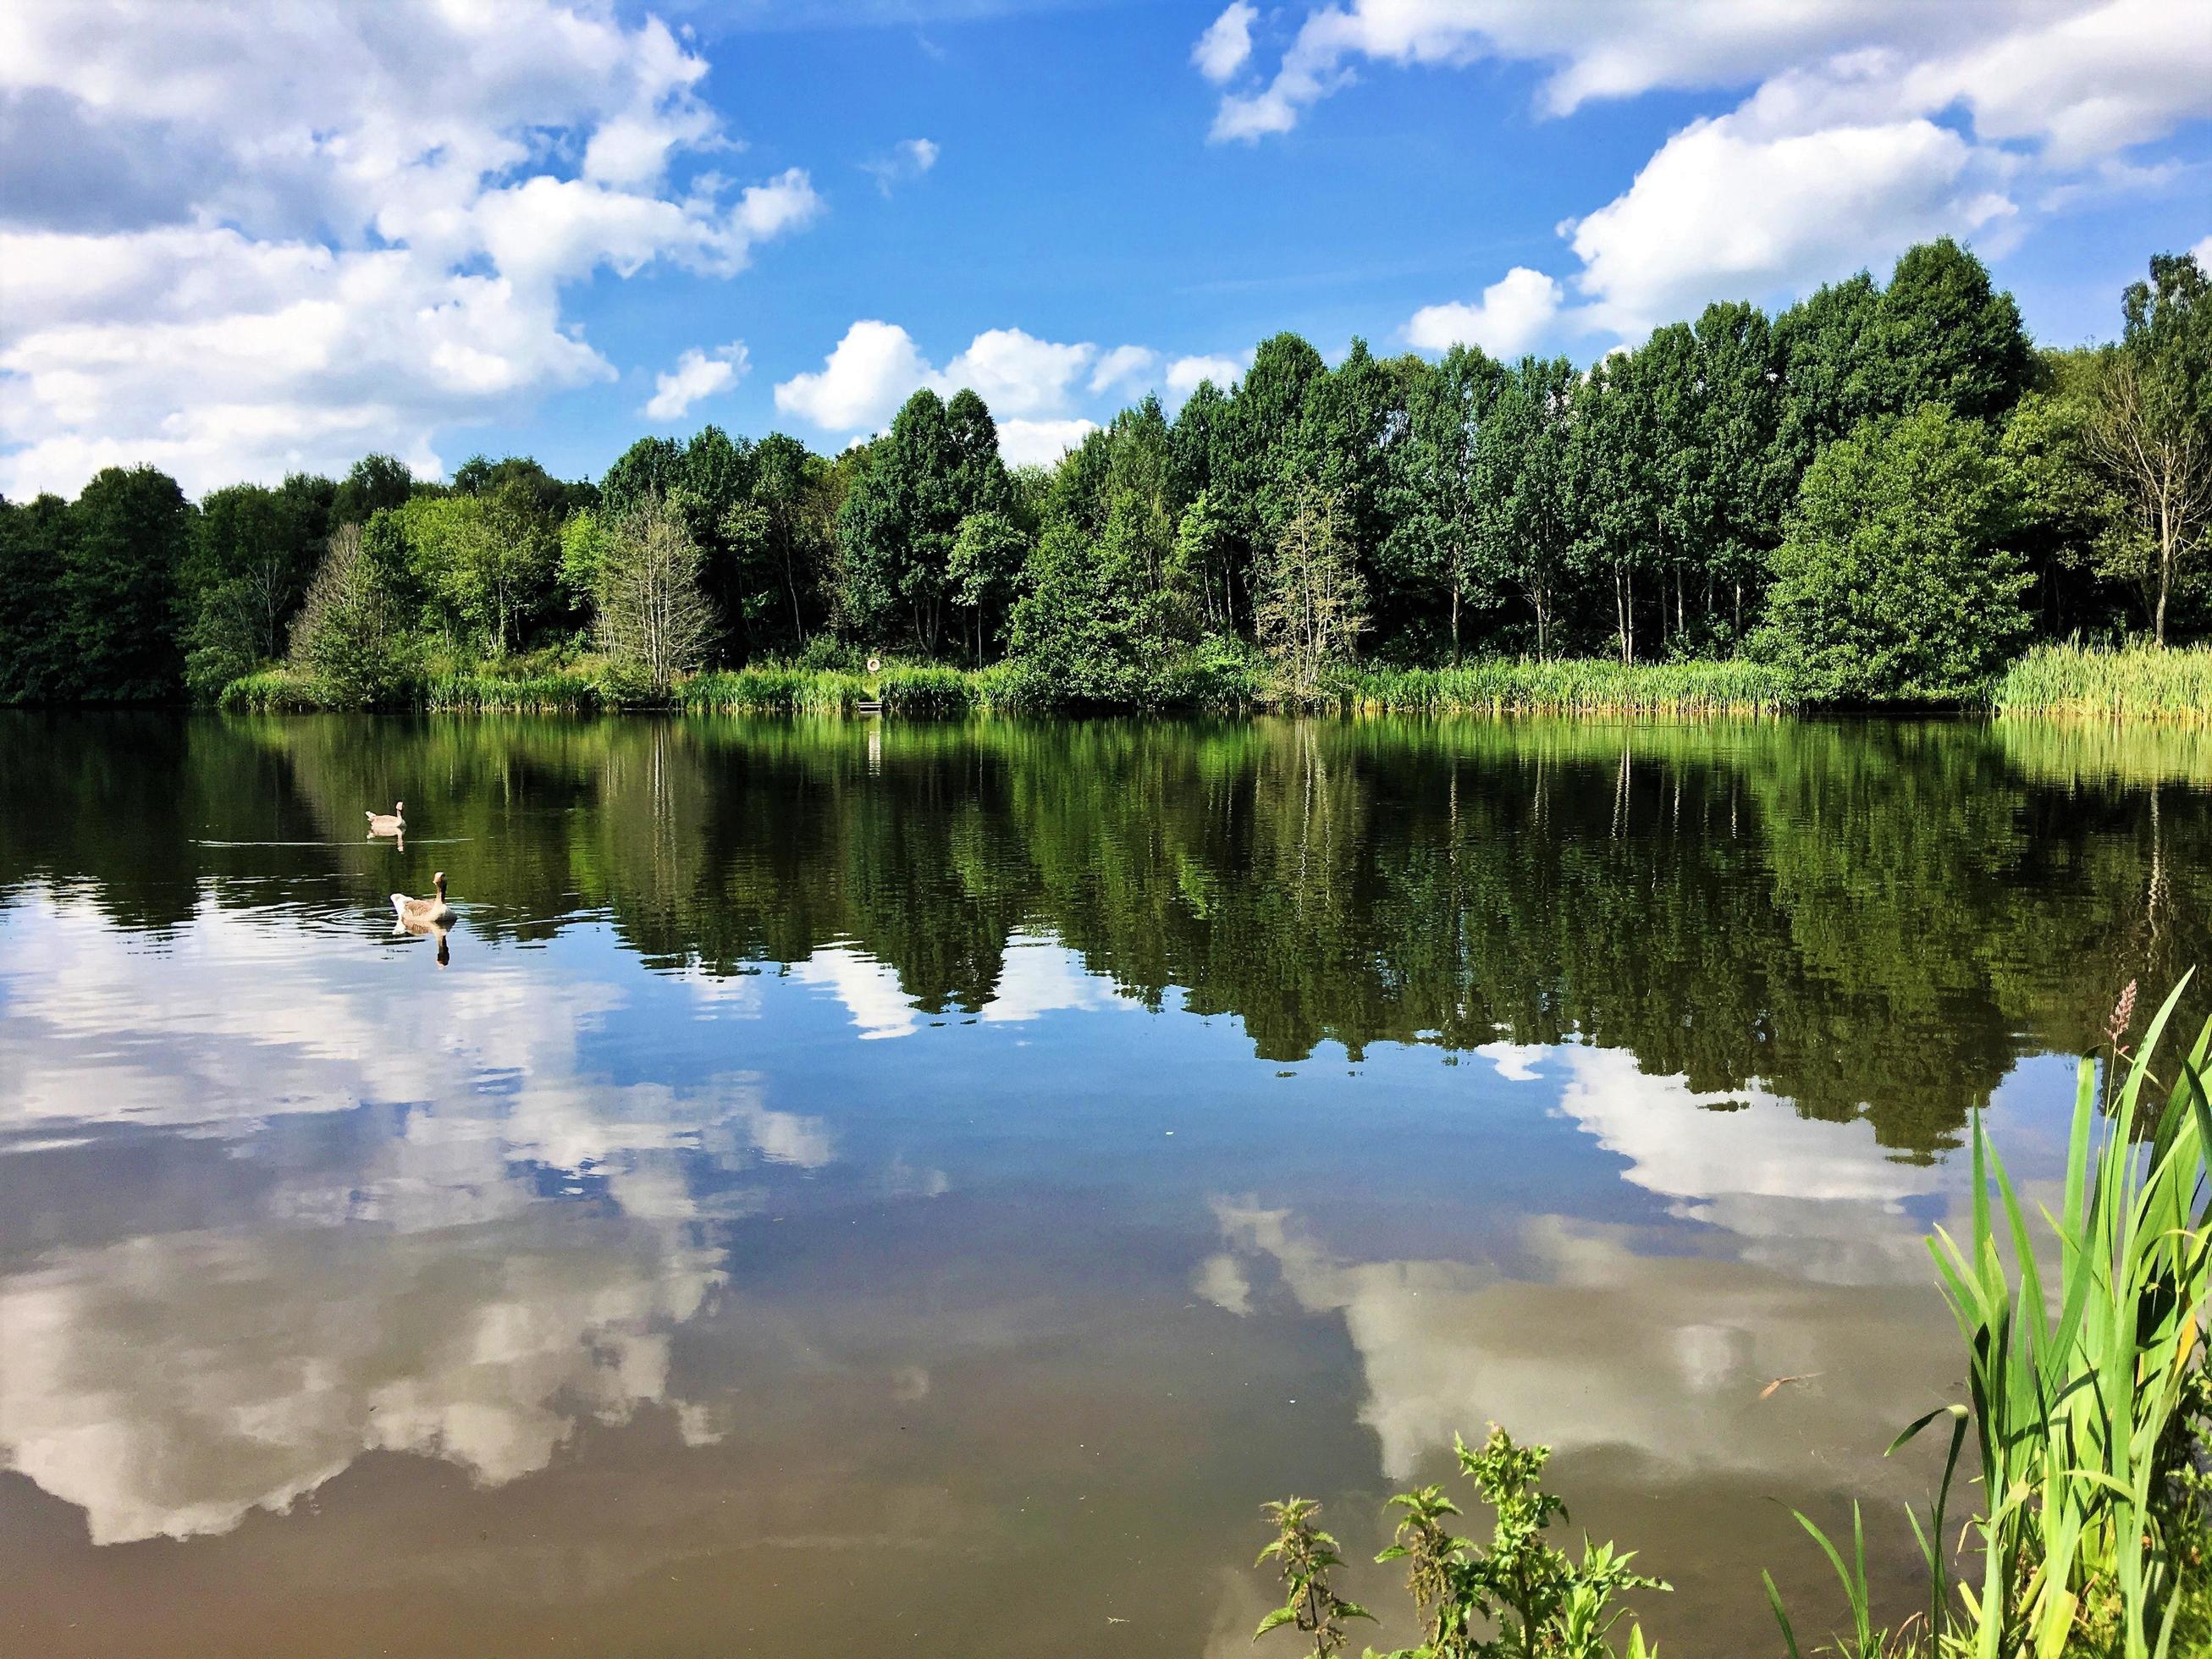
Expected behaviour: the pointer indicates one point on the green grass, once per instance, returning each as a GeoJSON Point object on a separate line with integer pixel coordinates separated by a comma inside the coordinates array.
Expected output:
{"type": "Point", "coordinates": [2088, 682]}
{"type": "Point", "coordinates": [1569, 686]}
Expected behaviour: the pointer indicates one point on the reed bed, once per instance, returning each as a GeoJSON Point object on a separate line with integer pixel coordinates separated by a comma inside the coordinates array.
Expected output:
{"type": "Point", "coordinates": [2090, 683]}
{"type": "Point", "coordinates": [1565, 686]}
{"type": "Point", "coordinates": [557, 691]}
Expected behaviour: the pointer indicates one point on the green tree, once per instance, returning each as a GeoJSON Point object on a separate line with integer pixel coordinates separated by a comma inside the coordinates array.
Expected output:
{"type": "Point", "coordinates": [351, 635]}
{"type": "Point", "coordinates": [35, 647]}
{"type": "Point", "coordinates": [1312, 604]}
{"type": "Point", "coordinates": [986, 564]}
{"type": "Point", "coordinates": [651, 618]}
{"type": "Point", "coordinates": [485, 562]}
{"type": "Point", "coordinates": [2153, 426]}
{"type": "Point", "coordinates": [1523, 483]}
{"type": "Point", "coordinates": [1895, 579]}
{"type": "Point", "coordinates": [1943, 333]}
{"type": "Point", "coordinates": [781, 537]}
{"type": "Point", "coordinates": [128, 535]}
{"type": "Point", "coordinates": [1434, 522]}
{"type": "Point", "coordinates": [2073, 522]}
{"type": "Point", "coordinates": [1085, 623]}
{"type": "Point", "coordinates": [935, 466]}
{"type": "Point", "coordinates": [252, 552]}
{"type": "Point", "coordinates": [376, 481]}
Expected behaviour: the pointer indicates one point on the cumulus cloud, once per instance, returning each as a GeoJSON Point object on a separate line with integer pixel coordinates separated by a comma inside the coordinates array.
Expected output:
{"type": "Point", "coordinates": [697, 374]}
{"type": "Point", "coordinates": [878, 366]}
{"type": "Point", "coordinates": [280, 240]}
{"type": "Point", "coordinates": [1123, 365]}
{"type": "Point", "coordinates": [1829, 199]}
{"type": "Point", "coordinates": [1870, 126]}
{"type": "Point", "coordinates": [1185, 374]}
{"type": "Point", "coordinates": [2202, 252]}
{"type": "Point", "coordinates": [1511, 316]}
{"type": "Point", "coordinates": [864, 377]}
{"type": "Point", "coordinates": [1227, 42]}
{"type": "Point", "coordinates": [907, 160]}
{"type": "Point", "coordinates": [2079, 75]}
{"type": "Point", "coordinates": [1040, 443]}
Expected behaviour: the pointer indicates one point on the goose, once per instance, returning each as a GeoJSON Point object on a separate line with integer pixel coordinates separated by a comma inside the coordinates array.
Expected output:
{"type": "Point", "coordinates": [418, 913]}
{"type": "Point", "coordinates": [394, 823]}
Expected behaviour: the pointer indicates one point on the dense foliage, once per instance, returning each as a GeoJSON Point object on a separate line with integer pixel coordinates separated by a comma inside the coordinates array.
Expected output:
{"type": "Point", "coordinates": [1883, 493]}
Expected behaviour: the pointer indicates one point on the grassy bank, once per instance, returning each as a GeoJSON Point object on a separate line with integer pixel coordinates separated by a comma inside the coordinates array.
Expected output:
{"type": "Point", "coordinates": [2086, 683]}
{"type": "Point", "coordinates": [483, 691]}
{"type": "Point", "coordinates": [1669, 690]}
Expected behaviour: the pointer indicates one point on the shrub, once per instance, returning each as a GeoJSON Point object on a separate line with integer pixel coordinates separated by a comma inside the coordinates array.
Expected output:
{"type": "Point", "coordinates": [1893, 581]}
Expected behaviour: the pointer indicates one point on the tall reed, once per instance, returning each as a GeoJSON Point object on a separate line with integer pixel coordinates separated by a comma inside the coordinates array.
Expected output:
{"type": "Point", "coordinates": [2135, 682]}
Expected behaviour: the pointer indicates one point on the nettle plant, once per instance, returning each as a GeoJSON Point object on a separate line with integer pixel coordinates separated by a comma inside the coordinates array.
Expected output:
{"type": "Point", "coordinates": [1539, 1601]}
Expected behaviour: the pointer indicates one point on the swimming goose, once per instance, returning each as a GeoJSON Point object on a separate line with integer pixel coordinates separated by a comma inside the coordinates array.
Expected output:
{"type": "Point", "coordinates": [388, 824]}
{"type": "Point", "coordinates": [416, 913]}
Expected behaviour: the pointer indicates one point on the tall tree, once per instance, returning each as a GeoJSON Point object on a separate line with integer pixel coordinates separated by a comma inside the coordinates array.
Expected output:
{"type": "Point", "coordinates": [899, 520]}
{"type": "Point", "coordinates": [1433, 516]}
{"type": "Point", "coordinates": [653, 620]}
{"type": "Point", "coordinates": [376, 481]}
{"type": "Point", "coordinates": [252, 553]}
{"type": "Point", "coordinates": [128, 535]}
{"type": "Point", "coordinates": [34, 647]}
{"type": "Point", "coordinates": [1522, 481]}
{"type": "Point", "coordinates": [1943, 333]}
{"type": "Point", "coordinates": [2153, 428]}
{"type": "Point", "coordinates": [1312, 604]}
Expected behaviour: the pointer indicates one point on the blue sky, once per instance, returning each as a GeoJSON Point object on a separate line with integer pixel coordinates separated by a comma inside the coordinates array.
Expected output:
{"type": "Point", "coordinates": [232, 246]}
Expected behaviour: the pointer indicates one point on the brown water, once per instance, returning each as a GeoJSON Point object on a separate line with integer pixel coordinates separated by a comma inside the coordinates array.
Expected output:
{"type": "Point", "coordinates": [871, 1188]}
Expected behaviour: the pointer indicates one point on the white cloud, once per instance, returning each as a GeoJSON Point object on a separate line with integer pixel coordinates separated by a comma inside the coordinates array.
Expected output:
{"type": "Point", "coordinates": [878, 366]}
{"type": "Point", "coordinates": [1185, 374]}
{"type": "Point", "coordinates": [1513, 315]}
{"type": "Point", "coordinates": [787, 201]}
{"type": "Point", "coordinates": [1122, 364]}
{"type": "Point", "coordinates": [866, 377]}
{"type": "Point", "coordinates": [697, 374]}
{"type": "Point", "coordinates": [2202, 252]}
{"type": "Point", "coordinates": [2081, 76]}
{"type": "Point", "coordinates": [1040, 443]}
{"type": "Point", "coordinates": [1872, 124]}
{"type": "Point", "coordinates": [1828, 200]}
{"type": "Point", "coordinates": [339, 227]}
{"type": "Point", "coordinates": [1016, 373]}
{"type": "Point", "coordinates": [1227, 42]}
{"type": "Point", "coordinates": [908, 160]}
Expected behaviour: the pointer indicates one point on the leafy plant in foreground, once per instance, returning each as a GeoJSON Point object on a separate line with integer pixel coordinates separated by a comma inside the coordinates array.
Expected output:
{"type": "Point", "coordinates": [1305, 1556]}
{"type": "Point", "coordinates": [1541, 1603]}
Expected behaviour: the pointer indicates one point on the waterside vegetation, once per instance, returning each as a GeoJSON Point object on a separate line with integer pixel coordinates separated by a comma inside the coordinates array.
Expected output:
{"type": "Point", "coordinates": [1881, 495]}
{"type": "Point", "coordinates": [2084, 1429]}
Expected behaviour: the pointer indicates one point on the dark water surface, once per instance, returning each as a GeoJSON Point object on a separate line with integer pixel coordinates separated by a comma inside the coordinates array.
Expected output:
{"type": "Point", "coordinates": [864, 1189]}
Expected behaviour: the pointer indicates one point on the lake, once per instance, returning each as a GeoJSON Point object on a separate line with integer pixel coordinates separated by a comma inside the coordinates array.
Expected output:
{"type": "Point", "coordinates": [870, 1188]}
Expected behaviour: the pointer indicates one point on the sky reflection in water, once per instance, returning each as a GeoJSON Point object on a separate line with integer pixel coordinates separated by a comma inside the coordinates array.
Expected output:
{"type": "Point", "coordinates": [839, 1191]}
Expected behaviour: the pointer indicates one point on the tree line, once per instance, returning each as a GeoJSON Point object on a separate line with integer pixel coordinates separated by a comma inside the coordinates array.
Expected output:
{"type": "Point", "coordinates": [1886, 489]}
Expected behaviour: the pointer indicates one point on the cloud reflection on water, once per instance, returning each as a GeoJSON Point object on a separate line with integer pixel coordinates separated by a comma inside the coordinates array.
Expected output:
{"type": "Point", "coordinates": [412, 1289]}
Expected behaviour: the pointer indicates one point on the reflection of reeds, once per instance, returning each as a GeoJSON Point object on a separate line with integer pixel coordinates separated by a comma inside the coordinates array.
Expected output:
{"type": "Point", "coordinates": [2138, 683]}
{"type": "Point", "coordinates": [2077, 753]}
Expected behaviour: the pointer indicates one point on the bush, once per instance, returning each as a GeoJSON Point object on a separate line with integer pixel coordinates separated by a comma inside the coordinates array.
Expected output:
{"type": "Point", "coordinates": [1893, 582]}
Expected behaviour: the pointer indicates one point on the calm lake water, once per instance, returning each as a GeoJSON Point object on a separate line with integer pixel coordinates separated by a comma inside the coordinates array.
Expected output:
{"type": "Point", "coordinates": [869, 1189]}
